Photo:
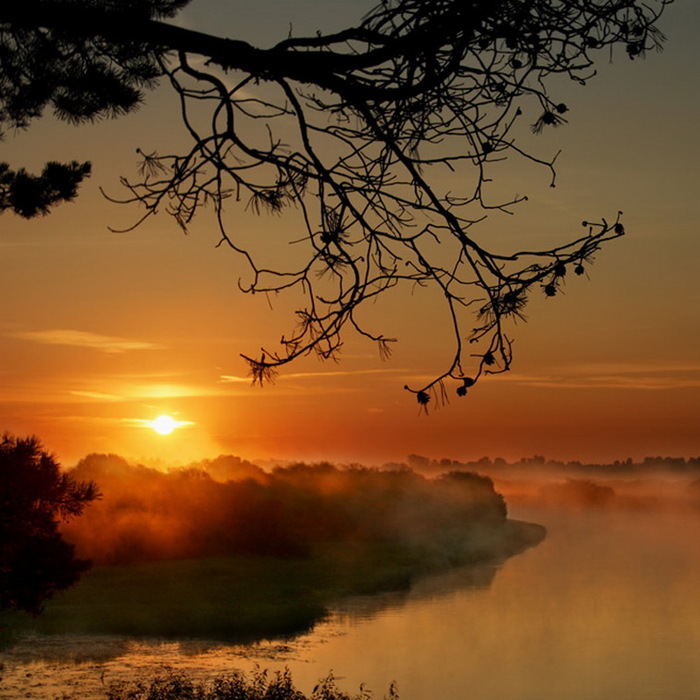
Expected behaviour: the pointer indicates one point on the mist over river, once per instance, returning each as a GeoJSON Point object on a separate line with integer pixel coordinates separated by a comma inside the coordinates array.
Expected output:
{"type": "Point", "coordinates": [607, 606]}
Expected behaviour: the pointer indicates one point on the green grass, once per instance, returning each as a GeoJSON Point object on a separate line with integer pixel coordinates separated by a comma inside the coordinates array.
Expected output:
{"type": "Point", "coordinates": [246, 598]}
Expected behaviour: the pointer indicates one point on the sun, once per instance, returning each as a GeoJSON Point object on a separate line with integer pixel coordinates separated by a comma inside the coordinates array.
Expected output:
{"type": "Point", "coordinates": [164, 425]}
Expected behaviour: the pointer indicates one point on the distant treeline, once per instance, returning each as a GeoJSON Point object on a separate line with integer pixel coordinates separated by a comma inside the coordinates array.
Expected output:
{"type": "Point", "coordinates": [679, 465]}
{"type": "Point", "coordinates": [229, 506]}
{"type": "Point", "coordinates": [655, 483]}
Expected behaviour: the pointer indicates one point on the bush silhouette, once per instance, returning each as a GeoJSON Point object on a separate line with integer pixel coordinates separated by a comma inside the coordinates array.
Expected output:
{"type": "Point", "coordinates": [35, 560]}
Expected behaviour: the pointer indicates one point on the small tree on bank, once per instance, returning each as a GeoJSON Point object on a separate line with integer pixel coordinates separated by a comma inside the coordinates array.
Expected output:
{"type": "Point", "coordinates": [35, 560]}
{"type": "Point", "coordinates": [384, 136]}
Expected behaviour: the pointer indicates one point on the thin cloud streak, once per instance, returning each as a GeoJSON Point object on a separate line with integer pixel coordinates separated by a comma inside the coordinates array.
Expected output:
{"type": "Point", "coordinates": [630, 368]}
{"type": "Point", "coordinates": [234, 379]}
{"type": "Point", "coordinates": [612, 383]}
{"type": "Point", "coordinates": [645, 377]}
{"type": "Point", "coordinates": [108, 389]}
{"type": "Point", "coordinates": [126, 392]}
{"type": "Point", "coordinates": [97, 395]}
{"type": "Point", "coordinates": [85, 339]}
{"type": "Point", "coordinates": [148, 422]}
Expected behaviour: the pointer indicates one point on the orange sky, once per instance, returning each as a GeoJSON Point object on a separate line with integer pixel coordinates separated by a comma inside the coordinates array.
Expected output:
{"type": "Point", "coordinates": [100, 331]}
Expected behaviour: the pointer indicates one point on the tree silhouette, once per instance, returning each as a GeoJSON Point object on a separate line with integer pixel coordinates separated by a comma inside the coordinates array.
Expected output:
{"type": "Point", "coordinates": [29, 195]}
{"type": "Point", "coordinates": [35, 561]}
{"type": "Point", "coordinates": [366, 132]}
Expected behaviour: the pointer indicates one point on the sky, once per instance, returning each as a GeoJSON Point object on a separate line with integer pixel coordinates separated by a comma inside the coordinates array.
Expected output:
{"type": "Point", "coordinates": [102, 332]}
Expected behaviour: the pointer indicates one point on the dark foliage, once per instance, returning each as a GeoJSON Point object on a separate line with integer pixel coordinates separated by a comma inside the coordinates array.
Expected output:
{"type": "Point", "coordinates": [28, 195]}
{"type": "Point", "coordinates": [35, 561]}
{"type": "Point", "coordinates": [259, 685]}
{"type": "Point", "coordinates": [79, 79]}
{"type": "Point", "coordinates": [147, 514]}
{"type": "Point", "coordinates": [49, 61]}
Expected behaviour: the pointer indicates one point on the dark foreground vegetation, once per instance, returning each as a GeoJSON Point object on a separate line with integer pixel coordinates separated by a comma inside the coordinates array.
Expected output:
{"type": "Point", "coordinates": [235, 686]}
{"type": "Point", "coordinates": [35, 495]}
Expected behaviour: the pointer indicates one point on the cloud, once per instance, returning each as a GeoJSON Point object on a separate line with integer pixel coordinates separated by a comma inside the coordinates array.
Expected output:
{"type": "Point", "coordinates": [110, 388]}
{"type": "Point", "coordinates": [148, 423]}
{"type": "Point", "coordinates": [123, 391]}
{"type": "Point", "coordinates": [84, 339]}
{"type": "Point", "coordinates": [95, 395]}
{"type": "Point", "coordinates": [235, 379]}
{"type": "Point", "coordinates": [638, 368]}
{"type": "Point", "coordinates": [167, 391]}
{"type": "Point", "coordinates": [648, 377]}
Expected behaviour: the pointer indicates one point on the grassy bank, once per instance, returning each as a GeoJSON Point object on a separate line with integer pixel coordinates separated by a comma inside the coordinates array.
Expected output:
{"type": "Point", "coordinates": [247, 598]}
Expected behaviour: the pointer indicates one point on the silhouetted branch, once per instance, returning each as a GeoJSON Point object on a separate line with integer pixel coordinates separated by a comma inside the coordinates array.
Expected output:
{"type": "Point", "coordinates": [360, 131]}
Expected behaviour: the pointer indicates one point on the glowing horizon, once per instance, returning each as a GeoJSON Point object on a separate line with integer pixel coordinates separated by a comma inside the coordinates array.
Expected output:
{"type": "Point", "coordinates": [102, 333]}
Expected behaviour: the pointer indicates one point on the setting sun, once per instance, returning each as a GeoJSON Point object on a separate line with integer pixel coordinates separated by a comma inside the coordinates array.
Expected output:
{"type": "Point", "coordinates": [164, 425]}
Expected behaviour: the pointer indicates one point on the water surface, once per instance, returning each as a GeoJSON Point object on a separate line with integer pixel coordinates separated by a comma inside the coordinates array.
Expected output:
{"type": "Point", "coordinates": [607, 606]}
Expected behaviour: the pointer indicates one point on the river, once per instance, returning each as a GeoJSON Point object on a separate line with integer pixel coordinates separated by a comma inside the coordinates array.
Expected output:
{"type": "Point", "coordinates": [607, 606]}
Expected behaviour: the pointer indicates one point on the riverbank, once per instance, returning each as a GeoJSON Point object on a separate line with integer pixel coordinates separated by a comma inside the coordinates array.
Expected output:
{"type": "Point", "coordinates": [242, 599]}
